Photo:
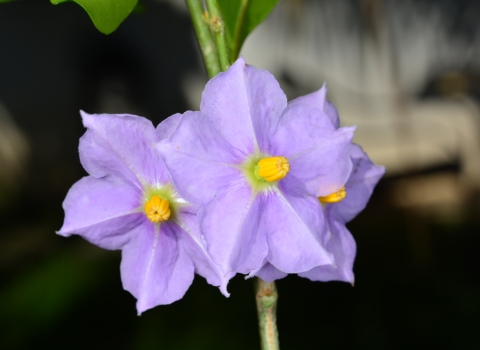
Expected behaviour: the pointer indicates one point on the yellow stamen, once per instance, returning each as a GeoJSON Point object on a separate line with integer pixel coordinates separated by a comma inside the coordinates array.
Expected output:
{"type": "Point", "coordinates": [334, 197]}
{"type": "Point", "coordinates": [272, 168]}
{"type": "Point", "coordinates": [157, 209]}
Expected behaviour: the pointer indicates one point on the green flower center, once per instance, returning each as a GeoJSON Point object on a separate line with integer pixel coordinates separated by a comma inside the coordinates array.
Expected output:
{"type": "Point", "coordinates": [263, 171]}
{"type": "Point", "coordinates": [161, 203]}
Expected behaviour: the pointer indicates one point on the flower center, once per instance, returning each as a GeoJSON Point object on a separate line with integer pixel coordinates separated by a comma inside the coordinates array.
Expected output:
{"type": "Point", "coordinates": [334, 197]}
{"type": "Point", "coordinates": [272, 169]}
{"type": "Point", "coordinates": [157, 209]}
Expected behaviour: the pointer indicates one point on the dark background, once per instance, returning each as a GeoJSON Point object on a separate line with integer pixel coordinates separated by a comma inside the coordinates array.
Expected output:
{"type": "Point", "coordinates": [417, 273]}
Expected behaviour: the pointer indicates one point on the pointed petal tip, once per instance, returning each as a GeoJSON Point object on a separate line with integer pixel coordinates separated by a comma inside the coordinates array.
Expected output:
{"type": "Point", "coordinates": [223, 286]}
{"type": "Point", "coordinates": [351, 280]}
{"type": "Point", "coordinates": [323, 90]}
{"type": "Point", "coordinates": [223, 290]}
{"type": "Point", "coordinates": [142, 306]}
{"type": "Point", "coordinates": [139, 312]}
{"type": "Point", "coordinates": [63, 233]}
{"type": "Point", "coordinates": [382, 169]}
{"type": "Point", "coordinates": [348, 131]}
{"type": "Point", "coordinates": [84, 114]}
{"type": "Point", "coordinates": [239, 64]}
{"type": "Point", "coordinates": [86, 118]}
{"type": "Point", "coordinates": [240, 60]}
{"type": "Point", "coordinates": [351, 128]}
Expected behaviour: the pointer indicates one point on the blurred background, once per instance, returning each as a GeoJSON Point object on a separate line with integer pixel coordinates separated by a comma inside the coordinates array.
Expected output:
{"type": "Point", "coordinates": [406, 72]}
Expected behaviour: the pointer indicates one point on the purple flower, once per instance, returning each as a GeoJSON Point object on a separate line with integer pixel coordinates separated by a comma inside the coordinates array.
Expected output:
{"type": "Point", "coordinates": [256, 166]}
{"type": "Point", "coordinates": [129, 203]}
{"type": "Point", "coordinates": [338, 208]}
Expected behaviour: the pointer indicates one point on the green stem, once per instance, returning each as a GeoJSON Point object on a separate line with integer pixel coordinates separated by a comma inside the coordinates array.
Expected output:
{"type": "Point", "coordinates": [204, 37]}
{"type": "Point", "coordinates": [238, 30]}
{"type": "Point", "coordinates": [217, 25]}
{"type": "Point", "coordinates": [267, 314]}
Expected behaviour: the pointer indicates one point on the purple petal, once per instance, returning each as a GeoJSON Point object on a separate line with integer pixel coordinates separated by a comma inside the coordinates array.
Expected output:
{"type": "Point", "coordinates": [230, 224]}
{"type": "Point", "coordinates": [195, 245]}
{"type": "Point", "coordinates": [195, 135]}
{"type": "Point", "coordinates": [332, 114]}
{"type": "Point", "coordinates": [363, 179]}
{"type": "Point", "coordinates": [270, 273]}
{"type": "Point", "coordinates": [266, 101]}
{"type": "Point", "coordinates": [103, 211]}
{"type": "Point", "coordinates": [154, 268]}
{"type": "Point", "coordinates": [300, 128]}
{"type": "Point", "coordinates": [245, 103]}
{"type": "Point", "coordinates": [344, 249]}
{"type": "Point", "coordinates": [200, 161]}
{"type": "Point", "coordinates": [318, 99]}
{"type": "Point", "coordinates": [294, 231]}
{"type": "Point", "coordinates": [166, 128]}
{"type": "Point", "coordinates": [318, 154]}
{"type": "Point", "coordinates": [123, 145]}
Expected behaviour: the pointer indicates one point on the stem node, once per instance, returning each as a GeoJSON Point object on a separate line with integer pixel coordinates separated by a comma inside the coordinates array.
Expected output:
{"type": "Point", "coordinates": [267, 297]}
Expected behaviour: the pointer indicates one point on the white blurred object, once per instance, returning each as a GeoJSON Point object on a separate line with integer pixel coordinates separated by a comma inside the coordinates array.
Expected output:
{"type": "Point", "coordinates": [420, 136]}
{"type": "Point", "coordinates": [14, 150]}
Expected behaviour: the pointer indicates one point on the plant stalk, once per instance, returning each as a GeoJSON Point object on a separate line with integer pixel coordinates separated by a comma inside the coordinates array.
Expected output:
{"type": "Point", "coordinates": [217, 25]}
{"type": "Point", "coordinates": [204, 37]}
{"type": "Point", "coordinates": [267, 297]}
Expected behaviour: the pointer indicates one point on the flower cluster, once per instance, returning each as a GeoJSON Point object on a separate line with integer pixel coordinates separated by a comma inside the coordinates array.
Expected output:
{"type": "Point", "coordinates": [249, 184]}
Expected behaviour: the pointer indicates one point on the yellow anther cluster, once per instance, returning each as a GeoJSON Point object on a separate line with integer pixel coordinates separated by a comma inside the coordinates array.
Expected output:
{"type": "Point", "coordinates": [334, 197]}
{"type": "Point", "coordinates": [157, 209]}
{"type": "Point", "coordinates": [273, 168]}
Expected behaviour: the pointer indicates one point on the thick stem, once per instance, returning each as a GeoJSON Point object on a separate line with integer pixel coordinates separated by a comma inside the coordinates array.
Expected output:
{"type": "Point", "coordinates": [217, 25]}
{"type": "Point", "coordinates": [204, 37]}
{"type": "Point", "coordinates": [267, 314]}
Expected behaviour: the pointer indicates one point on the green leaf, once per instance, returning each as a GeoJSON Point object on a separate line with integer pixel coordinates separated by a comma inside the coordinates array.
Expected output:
{"type": "Point", "coordinates": [106, 15]}
{"type": "Point", "coordinates": [241, 17]}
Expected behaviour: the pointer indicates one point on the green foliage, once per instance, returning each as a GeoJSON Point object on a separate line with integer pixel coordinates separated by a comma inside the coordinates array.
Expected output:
{"type": "Point", "coordinates": [241, 17]}
{"type": "Point", "coordinates": [106, 15]}
{"type": "Point", "coordinates": [37, 300]}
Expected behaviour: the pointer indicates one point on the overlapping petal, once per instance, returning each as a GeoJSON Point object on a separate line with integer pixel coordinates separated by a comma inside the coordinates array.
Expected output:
{"type": "Point", "coordinates": [293, 233]}
{"type": "Point", "coordinates": [103, 211]}
{"type": "Point", "coordinates": [269, 273]}
{"type": "Point", "coordinates": [266, 102]}
{"type": "Point", "coordinates": [318, 99]}
{"type": "Point", "coordinates": [318, 153]}
{"type": "Point", "coordinates": [166, 128]}
{"type": "Point", "coordinates": [248, 96]}
{"type": "Point", "coordinates": [200, 161]}
{"type": "Point", "coordinates": [123, 145]}
{"type": "Point", "coordinates": [193, 242]}
{"type": "Point", "coordinates": [155, 268]}
{"type": "Point", "coordinates": [359, 187]}
{"type": "Point", "coordinates": [344, 248]}
{"type": "Point", "coordinates": [307, 208]}
{"type": "Point", "coordinates": [231, 226]}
